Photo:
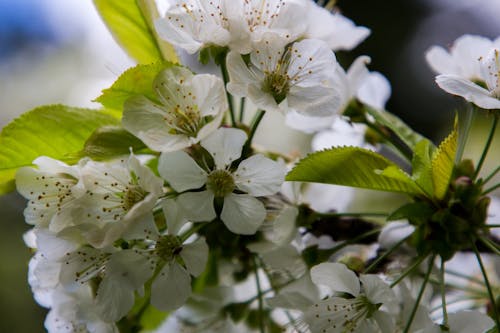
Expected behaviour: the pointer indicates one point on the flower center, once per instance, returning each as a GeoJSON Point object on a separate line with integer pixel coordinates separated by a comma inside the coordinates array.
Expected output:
{"type": "Point", "coordinates": [133, 194]}
{"type": "Point", "coordinates": [185, 120]}
{"type": "Point", "coordinates": [277, 84]}
{"type": "Point", "coordinates": [167, 247]}
{"type": "Point", "coordinates": [220, 182]}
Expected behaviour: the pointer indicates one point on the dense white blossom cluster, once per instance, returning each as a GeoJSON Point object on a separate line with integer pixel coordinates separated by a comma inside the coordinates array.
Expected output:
{"type": "Point", "coordinates": [185, 222]}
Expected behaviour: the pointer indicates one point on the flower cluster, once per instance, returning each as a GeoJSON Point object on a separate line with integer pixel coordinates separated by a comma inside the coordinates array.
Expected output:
{"type": "Point", "coordinates": [183, 213]}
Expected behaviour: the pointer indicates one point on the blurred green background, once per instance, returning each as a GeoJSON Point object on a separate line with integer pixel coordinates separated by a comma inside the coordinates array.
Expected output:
{"type": "Point", "coordinates": [57, 51]}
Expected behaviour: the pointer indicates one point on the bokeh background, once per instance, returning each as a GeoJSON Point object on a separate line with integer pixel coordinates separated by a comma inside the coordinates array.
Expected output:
{"type": "Point", "coordinates": [58, 51]}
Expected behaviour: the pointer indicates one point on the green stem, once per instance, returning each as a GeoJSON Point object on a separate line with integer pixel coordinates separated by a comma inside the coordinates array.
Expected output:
{"type": "Point", "coordinates": [409, 270]}
{"type": "Point", "coordinates": [491, 189]}
{"type": "Point", "coordinates": [242, 109]}
{"type": "Point", "coordinates": [493, 247]}
{"type": "Point", "coordinates": [465, 277]}
{"type": "Point", "coordinates": [469, 116]}
{"type": "Point", "coordinates": [487, 146]}
{"type": "Point", "coordinates": [492, 226]}
{"type": "Point", "coordinates": [225, 77]}
{"type": "Point", "coordinates": [443, 295]}
{"type": "Point", "coordinates": [350, 214]}
{"type": "Point", "coordinates": [259, 297]}
{"type": "Point", "coordinates": [490, 176]}
{"type": "Point", "coordinates": [385, 255]}
{"type": "Point", "coordinates": [197, 226]}
{"type": "Point", "coordinates": [488, 286]}
{"type": "Point", "coordinates": [395, 141]}
{"type": "Point", "coordinates": [333, 250]}
{"type": "Point", "coordinates": [253, 128]}
{"type": "Point", "coordinates": [420, 294]}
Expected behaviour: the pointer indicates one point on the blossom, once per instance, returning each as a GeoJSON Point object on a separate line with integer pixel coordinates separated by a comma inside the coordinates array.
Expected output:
{"type": "Point", "coordinates": [190, 108]}
{"type": "Point", "coordinates": [339, 32]}
{"type": "Point", "coordinates": [462, 58]}
{"type": "Point", "coordinates": [365, 310]}
{"type": "Point", "coordinates": [193, 25]}
{"type": "Point", "coordinates": [255, 176]}
{"type": "Point", "coordinates": [486, 98]}
{"type": "Point", "coordinates": [117, 194]}
{"type": "Point", "coordinates": [282, 78]}
{"type": "Point", "coordinates": [49, 189]}
{"type": "Point", "coordinates": [370, 88]}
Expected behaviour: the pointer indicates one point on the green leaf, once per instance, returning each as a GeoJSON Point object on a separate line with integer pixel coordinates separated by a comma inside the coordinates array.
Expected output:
{"type": "Point", "coordinates": [137, 80]}
{"type": "Point", "coordinates": [413, 210]}
{"type": "Point", "coordinates": [422, 166]}
{"type": "Point", "coordinates": [130, 23]}
{"type": "Point", "coordinates": [111, 141]}
{"type": "Point", "coordinates": [152, 318]}
{"type": "Point", "coordinates": [443, 163]}
{"type": "Point", "coordinates": [394, 123]}
{"type": "Point", "coordinates": [56, 131]}
{"type": "Point", "coordinates": [355, 167]}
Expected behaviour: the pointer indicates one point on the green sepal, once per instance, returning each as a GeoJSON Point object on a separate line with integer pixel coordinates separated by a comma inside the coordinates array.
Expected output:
{"type": "Point", "coordinates": [55, 131]}
{"type": "Point", "coordinates": [422, 166]}
{"type": "Point", "coordinates": [111, 141]}
{"type": "Point", "coordinates": [398, 126]}
{"type": "Point", "coordinates": [134, 81]}
{"type": "Point", "coordinates": [355, 167]}
{"type": "Point", "coordinates": [217, 53]}
{"type": "Point", "coordinates": [130, 23]}
{"type": "Point", "coordinates": [443, 162]}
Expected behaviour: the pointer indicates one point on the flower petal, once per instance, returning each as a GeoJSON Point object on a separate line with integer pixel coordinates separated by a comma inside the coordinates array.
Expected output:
{"type": "Point", "coordinates": [376, 290]}
{"type": "Point", "coordinates": [374, 91]}
{"type": "Point", "coordinates": [242, 213]}
{"type": "Point", "coordinates": [174, 216]}
{"type": "Point", "coordinates": [225, 146]}
{"type": "Point", "coordinates": [195, 256]}
{"type": "Point", "coordinates": [197, 206]}
{"type": "Point", "coordinates": [181, 171]}
{"type": "Point", "coordinates": [171, 288]}
{"type": "Point", "coordinates": [259, 176]}
{"type": "Point", "coordinates": [457, 85]}
{"type": "Point", "coordinates": [469, 322]}
{"type": "Point", "coordinates": [337, 277]}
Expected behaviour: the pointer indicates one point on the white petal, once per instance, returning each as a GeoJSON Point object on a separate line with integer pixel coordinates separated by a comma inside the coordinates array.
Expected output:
{"type": "Point", "coordinates": [242, 214]}
{"type": "Point", "coordinates": [195, 256]}
{"type": "Point", "coordinates": [259, 176]}
{"type": "Point", "coordinates": [181, 171]}
{"type": "Point", "coordinates": [284, 227]}
{"type": "Point", "coordinates": [145, 176]}
{"type": "Point", "coordinates": [357, 72]}
{"type": "Point", "coordinates": [210, 94]}
{"type": "Point", "coordinates": [197, 206]}
{"type": "Point", "coordinates": [376, 290]}
{"type": "Point", "coordinates": [337, 277]}
{"type": "Point", "coordinates": [384, 321]}
{"type": "Point", "coordinates": [171, 288]}
{"type": "Point", "coordinates": [307, 124]}
{"type": "Point", "coordinates": [374, 91]}
{"type": "Point", "coordinates": [174, 216]}
{"type": "Point", "coordinates": [225, 146]}
{"type": "Point", "coordinates": [466, 51]}
{"type": "Point", "coordinates": [239, 75]}
{"type": "Point", "coordinates": [457, 85]}
{"type": "Point", "coordinates": [469, 322]}
{"type": "Point", "coordinates": [441, 61]}
{"type": "Point", "coordinates": [113, 300]}
{"type": "Point", "coordinates": [490, 67]}
{"type": "Point", "coordinates": [394, 232]}
{"type": "Point", "coordinates": [146, 120]}
{"type": "Point", "coordinates": [176, 35]}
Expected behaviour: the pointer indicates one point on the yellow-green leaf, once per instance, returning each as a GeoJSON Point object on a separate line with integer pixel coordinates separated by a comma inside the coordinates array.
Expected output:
{"type": "Point", "coordinates": [130, 22]}
{"type": "Point", "coordinates": [443, 163]}
{"type": "Point", "coordinates": [422, 166]}
{"type": "Point", "coordinates": [355, 167]}
{"type": "Point", "coordinates": [137, 80]}
{"type": "Point", "coordinates": [56, 131]}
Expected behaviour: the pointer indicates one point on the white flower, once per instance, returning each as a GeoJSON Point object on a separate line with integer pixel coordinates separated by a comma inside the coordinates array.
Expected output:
{"type": "Point", "coordinates": [282, 78]}
{"type": "Point", "coordinates": [117, 195]}
{"type": "Point", "coordinates": [255, 176]}
{"type": "Point", "coordinates": [488, 98]}
{"type": "Point", "coordinates": [191, 107]}
{"type": "Point", "coordinates": [462, 58]}
{"type": "Point", "coordinates": [336, 30]}
{"type": "Point", "coordinates": [369, 88]}
{"type": "Point", "coordinates": [49, 189]}
{"type": "Point", "coordinates": [193, 24]}
{"type": "Point", "coordinates": [365, 309]}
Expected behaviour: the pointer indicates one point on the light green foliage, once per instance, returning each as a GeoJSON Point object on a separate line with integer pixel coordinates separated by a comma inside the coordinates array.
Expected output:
{"type": "Point", "coordinates": [56, 131]}
{"type": "Point", "coordinates": [111, 141]}
{"type": "Point", "coordinates": [130, 23]}
{"type": "Point", "coordinates": [443, 163]}
{"type": "Point", "coordinates": [134, 81]}
{"type": "Point", "coordinates": [422, 167]}
{"type": "Point", "coordinates": [356, 167]}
